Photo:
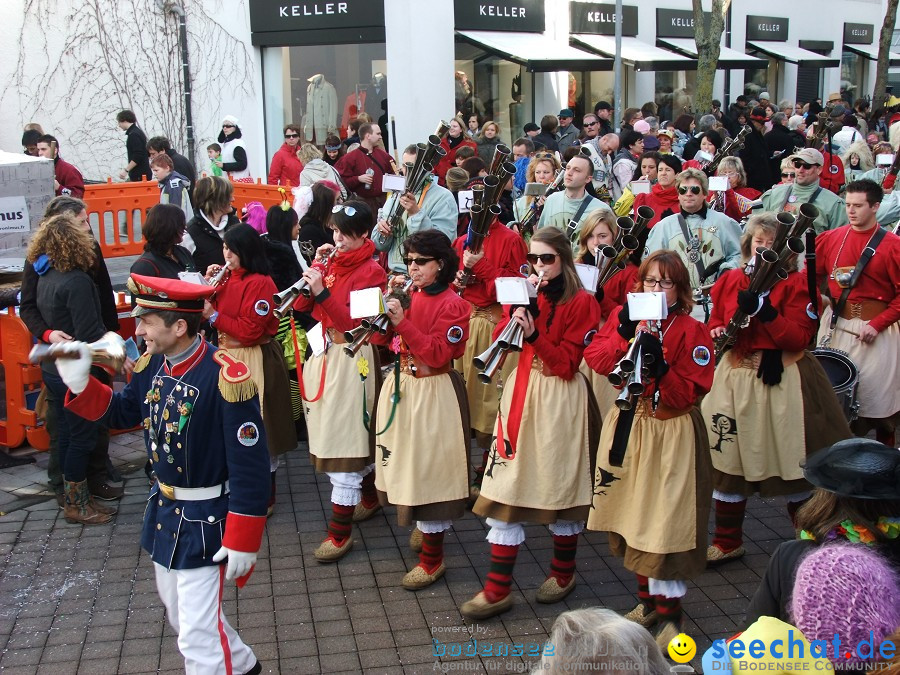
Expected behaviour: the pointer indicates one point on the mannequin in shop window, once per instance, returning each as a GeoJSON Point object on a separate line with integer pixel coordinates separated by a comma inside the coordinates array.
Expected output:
{"type": "Point", "coordinates": [321, 109]}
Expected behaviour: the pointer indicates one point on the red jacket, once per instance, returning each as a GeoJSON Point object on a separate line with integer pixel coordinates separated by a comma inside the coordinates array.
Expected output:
{"type": "Point", "coordinates": [354, 164]}
{"type": "Point", "coordinates": [832, 176]}
{"type": "Point", "coordinates": [435, 327]}
{"type": "Point", "coordinates": [663, 201]}
{"type": "Point", "coordinates": [244, 303]}
{"type": "Point", "coordinates": [285, 167]}
{"type": "Point", "coordinates": [69, 178]}
{"type": "Point", "coordinates": [732, 207]}
{"type": "Point", "coordinates": [561, 346]}
{"type": "Point", "coordinates": [791, 330]}
{"type": "Point", "coordinates": [448, 161]}
{"type": "Point", "coordinates": [617, 288]}
{"type": "Point", "coordinates": [348, 272]}
{"type": "Point", "coordinates": [504, 255]}
{"type": "Point", "coordinates": [880, 279]}
{"type": "Point", "coordinates": [688, 350]}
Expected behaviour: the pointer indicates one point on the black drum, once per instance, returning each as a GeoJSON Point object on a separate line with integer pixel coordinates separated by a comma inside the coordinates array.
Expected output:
{"type": "Point", "coordinates": [844, 377]}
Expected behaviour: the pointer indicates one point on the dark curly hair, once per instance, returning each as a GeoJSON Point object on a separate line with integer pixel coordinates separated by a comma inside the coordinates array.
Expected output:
{"type": "Point", "coordinates": [434, 244]}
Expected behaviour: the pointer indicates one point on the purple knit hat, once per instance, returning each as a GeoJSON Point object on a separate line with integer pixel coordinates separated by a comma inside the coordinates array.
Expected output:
{"type": "Point", "coordinates": [848, 590]}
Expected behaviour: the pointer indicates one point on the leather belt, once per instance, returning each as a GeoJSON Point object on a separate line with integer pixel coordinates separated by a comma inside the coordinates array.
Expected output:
{"type": "Point", "coordinates": [181, 494]}
{"type": "Point", "coordinates": [751, 360]}
{"type": "Point", "coordinates": [229, 342]}
{"type": "Point", "coordinates": [663, 411]}
{"type": "Point", "coordinates": [336, 336]}
{"type": "Point", "coordinates": [863, 309]}
{"type": "Point", "coordinates": [540, 366]}
{"type": "Point", "coordinates": [421, 370]}
{"type": "Point", "coordinates": [492, 313]}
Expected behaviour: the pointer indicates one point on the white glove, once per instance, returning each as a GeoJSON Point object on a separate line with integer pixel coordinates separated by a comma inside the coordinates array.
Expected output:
{"type": "Point", "coordinates": [239, 563]}
{"type": "Point", "coordinates": [75, 372]}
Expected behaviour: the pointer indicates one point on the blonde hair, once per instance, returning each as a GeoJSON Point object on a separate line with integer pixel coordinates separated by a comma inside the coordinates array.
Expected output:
{"type": "Point", "coordinates": [560, 243]}
{"type": "Point", "coordinates": [213, 194]}
{"type": "Point", "coordinates": [591, 221]}
{"type": "Point", "coordinates": [308, 152]}
{"type": "Point", "coordinates": [697, 175]}
{"type": "Point", "coordinates": [760, 224]}
{"type": "Point", "coordinates": [532, 168]}
{"type": "Point", "coordinates": [734, 164]}
{"type": "Point", "coordinates": [489, 123]}
{"type": "Point", "coordinates": [64, 242]}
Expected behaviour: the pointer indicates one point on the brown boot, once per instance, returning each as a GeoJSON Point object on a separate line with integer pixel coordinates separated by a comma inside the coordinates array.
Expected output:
{"type": "Point", "coordinates": [80, 506]}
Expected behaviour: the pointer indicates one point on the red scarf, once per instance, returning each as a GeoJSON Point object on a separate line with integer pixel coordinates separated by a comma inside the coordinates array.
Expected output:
{"type": "Point", "coordinates": [347, 261]}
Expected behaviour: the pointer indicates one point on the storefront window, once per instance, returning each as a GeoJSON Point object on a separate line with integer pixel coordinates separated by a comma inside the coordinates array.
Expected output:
{"type": "Point", "coordinates": [675, 91]}
{"type": "Point", "coordinates": [591, 87]}
{"type": "Point", "coordinates": [323, 88]}
{"type": "Point", "coordinates": [757, 80]}
{"type": "Point", "coordinates": [851, 75]}
{"type": "Point", "coordinates": [493, 88]}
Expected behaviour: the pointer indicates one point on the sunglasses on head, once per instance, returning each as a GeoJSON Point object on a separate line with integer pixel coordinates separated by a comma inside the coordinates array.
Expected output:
{"type": "Point", "coordinates": [546, 258]}
{"type": "Point", "coordinates": [788, 175]}
{"type": "Point", "coordinates": [349, 210]}
{"type": "Point", "coordinates": [418, 261]}
{"type": "Point", "coordinates": [800, 164]}
{"type": "Point", "coordinates": [292, 135]}
{"type": "Point", "coordinates": [693, 189]}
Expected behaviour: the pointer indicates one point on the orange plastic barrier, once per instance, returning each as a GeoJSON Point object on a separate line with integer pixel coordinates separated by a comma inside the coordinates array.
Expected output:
{"type": "Point", "coordinates": [267, 195]}
{"type": "Point", "coordinates": [115, 204]}
{"type": "Point", "coordinates": [23, 379]}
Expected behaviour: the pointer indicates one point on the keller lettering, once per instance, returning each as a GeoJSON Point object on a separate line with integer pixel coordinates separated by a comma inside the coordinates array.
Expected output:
{"type": "Point", "coordinates": [496, 10]}
{"type": "Point", "coordinates": [314, 9]}
{"type": "Point", "coordinates": [683, 22]}
{"type": "Point", "coordinates": [769, 27]}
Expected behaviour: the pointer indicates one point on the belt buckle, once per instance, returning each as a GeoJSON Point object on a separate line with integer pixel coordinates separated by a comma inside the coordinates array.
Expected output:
{"type": "Point", "coordinates": [167, 491]}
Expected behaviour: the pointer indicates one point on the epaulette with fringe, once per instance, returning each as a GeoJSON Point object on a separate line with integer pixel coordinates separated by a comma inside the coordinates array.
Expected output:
{"type": "Point", "coordinates": [235, 382]}
{"type": "Point", "coordinates": [142, 362]}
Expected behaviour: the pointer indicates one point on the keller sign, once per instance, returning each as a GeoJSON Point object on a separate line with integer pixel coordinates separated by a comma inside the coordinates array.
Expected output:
{"type": "Point", "coordinates": [859, 33]}
{"type": "Point", "coordinates": [284, 15]}
{"type": "Point", "coordinates": [523, 16]}
{"type": "Point", "coordinates": [600, 18]}
{"type": "Point", "coordinates": [677, 23]}
{"type": "Point", "coordinates": [767, 28]}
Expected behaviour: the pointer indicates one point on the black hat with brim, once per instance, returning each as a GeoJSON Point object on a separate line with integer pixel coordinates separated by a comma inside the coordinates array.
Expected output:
{"type": "Point", "coordinates": [857, 467]}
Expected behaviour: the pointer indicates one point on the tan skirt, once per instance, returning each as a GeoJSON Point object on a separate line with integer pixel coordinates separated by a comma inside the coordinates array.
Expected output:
{"type": "Point", "coordinates": [422, 458]}
{"type": "Point", "coordinates": [338, 439]}
{"type": "Point", "coordinates": [548, 477]}
{"type": "Point", "coordinates": [484, 399]}
{"type": "Point", "coordinates": [878, 364]}
{"type": "Point", "coordinates": [655, 507]}
{"type": "Point", "coordinates": [269, 373]}
{"type": "Point", "coordinates": [760, 435]}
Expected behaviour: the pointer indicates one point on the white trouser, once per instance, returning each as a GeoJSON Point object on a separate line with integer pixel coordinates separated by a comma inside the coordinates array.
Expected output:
{"type": "Point", "coordinates": [669, 589]}
{"type": "Point", "coordinates": [734, 498]}
{"type": "Point", "coordinates": [346, 486]}
{"type": "Point", "coordinates": [433, 526]}
{"type": "Point", "coordinates": [513, 534]}
{"type": "Point", "coordinates": [193, 600]}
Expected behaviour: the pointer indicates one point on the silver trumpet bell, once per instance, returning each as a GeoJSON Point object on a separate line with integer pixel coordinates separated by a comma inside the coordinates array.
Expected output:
{"type": "Point", "coordinates": [107, 352]}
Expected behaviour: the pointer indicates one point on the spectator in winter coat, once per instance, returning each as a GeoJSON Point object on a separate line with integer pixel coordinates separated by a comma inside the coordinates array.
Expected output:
{"type": "Point", "coordinates": [316, 169]}
{"type": "Point", "coordinates": [780, 142]}
{"type": "Point", "coordinates": [454, 140]}
{"type": "Point", "coordinates": [138, 167]}
{"type": "Point", "coordinates": [547, 137]}
{"type": "Point", "coordinates": [234, 154]}
{"type": "Point", "coordinates": [286, 166]}
{"type": "Point", "coordinates": [214, 217]}
{"type": "Point", "coordinates": [182, 164]}
{"type": "Point", "coordinates": [333, 150]}
{"type": "Point", "coordinates": [67, 180]}
{"type": "Point", "coordinates": [566, 133]}
{"type": "Point", "coordinates": [487, 140]}
{"type": "Point", "coordinates": [172, 185]}
{"type": "Point", "coordinates": [755, 154]}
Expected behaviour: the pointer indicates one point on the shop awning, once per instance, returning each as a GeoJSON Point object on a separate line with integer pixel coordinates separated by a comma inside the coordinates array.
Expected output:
{"type": "Point", "coordinates": [536, 52]}
{"type": "Point", "coordinates": [728, 58]}
{"type": "Point", "coordinates": [640, 55]}
{"type": "Point", "coordinates": [785, 52]}
{"type": "Point", "coordinates": [871, 52]}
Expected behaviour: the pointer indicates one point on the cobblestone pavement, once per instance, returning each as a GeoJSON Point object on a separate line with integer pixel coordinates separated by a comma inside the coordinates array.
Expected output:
{"type": "Point", "coordinates": [82, 599]}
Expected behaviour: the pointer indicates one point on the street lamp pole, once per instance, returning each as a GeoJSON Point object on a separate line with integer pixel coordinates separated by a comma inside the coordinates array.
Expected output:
{"type": "Point", "coordinates": [176, 8]}
{"type": "Point", "coordinates": [617, 67]}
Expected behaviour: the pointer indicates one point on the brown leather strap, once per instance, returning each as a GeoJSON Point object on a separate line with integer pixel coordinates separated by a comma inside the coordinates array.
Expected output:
{"type": "Point", "coordinates": [228, 342]}
{"type": "Point", "coordinates": [492, 313]}
{"type": "Point", "coordinates": [420, 370]}
{"type": "Point", "coordinates": [863, 309]}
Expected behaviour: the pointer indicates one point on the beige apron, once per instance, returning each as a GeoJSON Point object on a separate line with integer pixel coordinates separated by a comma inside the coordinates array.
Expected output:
{"type": "Point", "coordinates": [550, 470]}
{"type": "Point", "coordinates": [651, 501]}
{"type": "Point", "coordinates": [484, 399]}
{"type": "Point", "coordinates": [335, 421]}
{"type": "Point", "coordinates": [755, 431]}
{"type": "Point", "coordinates": [422, 458]}
{"type": "Point", "coordinates": [878, 364]}
{"type": "Point", "coordinates": [604, 392]}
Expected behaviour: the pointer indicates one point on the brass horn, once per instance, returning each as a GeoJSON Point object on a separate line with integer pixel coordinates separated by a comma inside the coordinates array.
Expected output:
{"type": "Point", "coordinates": [107, 352]}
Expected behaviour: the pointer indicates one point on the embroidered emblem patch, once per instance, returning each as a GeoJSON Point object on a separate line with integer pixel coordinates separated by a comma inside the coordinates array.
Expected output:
{"type": "Point", "coordinates": [248, 434]}
{"type": "Point", "coordinates": [589, 336]}
{"type": "Point", "coordinates": [261, 307]}
{"type": "Point", "coordinates": [175, 183]}
{"type": "Point", "coordinates": [455, 334]}
{"type": "Point", "coordinates": [701, 355]}
{"type": "Point", "coordinates": [833, 169]}
{"type": "Point", "coordinates": [810, 312]}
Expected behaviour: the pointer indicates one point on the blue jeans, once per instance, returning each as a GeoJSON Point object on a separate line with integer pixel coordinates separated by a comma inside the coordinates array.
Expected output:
{"type": "Point", "coordinates": [76, 437]}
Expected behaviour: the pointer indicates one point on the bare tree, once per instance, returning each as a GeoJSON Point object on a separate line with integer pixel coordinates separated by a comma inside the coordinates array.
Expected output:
{"type": "Point", "coordinates": [884, 47]}
{"type": "Point", "coordinates": [708, 37]}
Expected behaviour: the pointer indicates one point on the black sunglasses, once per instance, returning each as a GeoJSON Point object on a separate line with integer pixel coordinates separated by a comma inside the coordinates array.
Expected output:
{"type": "Point", "coordinates": [292, 135]}
{"type": "Point", "coordinates": [694, 189]}
{"type": "Point", "coordinates": [788, 175]}
{"type": "Point", "coordinates": [418, 261]}
{"type": "Point", "coordinates": [800, 164]}
{"type": "Point", "coordinates": [546, 258]}
{"type": "Point", "coordinates": [591, 124]}
{"type": "Point", "coordinates": [228, 126]}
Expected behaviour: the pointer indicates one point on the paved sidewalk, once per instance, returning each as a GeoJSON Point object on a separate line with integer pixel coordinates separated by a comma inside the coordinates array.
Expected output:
{"type": "Point", "coordinates": [82, 599]}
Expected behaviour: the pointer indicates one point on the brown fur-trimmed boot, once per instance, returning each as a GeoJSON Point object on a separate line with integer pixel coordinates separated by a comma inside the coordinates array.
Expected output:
{"type": "Point", "coordinates": [80, 505]}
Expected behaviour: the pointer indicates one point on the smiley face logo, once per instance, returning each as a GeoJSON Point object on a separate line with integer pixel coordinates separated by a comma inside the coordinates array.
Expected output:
{"type": "Point", "coordinates": [682, 648]}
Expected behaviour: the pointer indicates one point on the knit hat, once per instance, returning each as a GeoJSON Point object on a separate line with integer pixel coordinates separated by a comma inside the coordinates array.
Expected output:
{"type": "Point", "coordinates": [255, 216]}
{"type": "Point", "coordinates": [230, 119]}
{"type": "Point", "coordinates": [642, 127]}
{"type": "Point", "coordinates": [846, 590]}
{"type": "Point", "coordinates": [531, 126]}
{"type": "Point", "coordinates": [795, 121]}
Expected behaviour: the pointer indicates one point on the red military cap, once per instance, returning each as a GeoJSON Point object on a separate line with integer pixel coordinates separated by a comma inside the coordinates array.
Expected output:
{"type": "Point", "coordinates": [157, 294]}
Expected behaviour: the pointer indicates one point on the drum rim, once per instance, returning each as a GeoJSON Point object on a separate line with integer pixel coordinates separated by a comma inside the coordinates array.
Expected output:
{"type": "Point", "coordinates": [852, 372]}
